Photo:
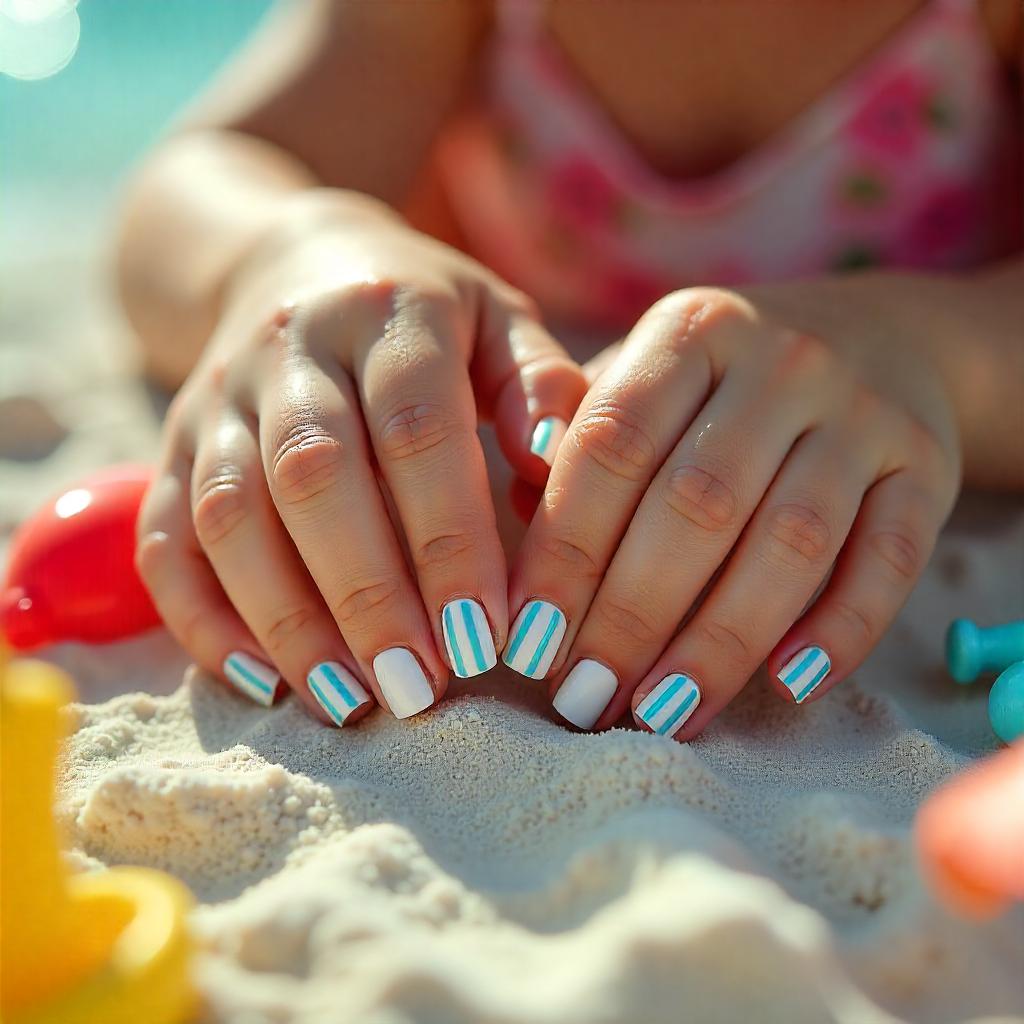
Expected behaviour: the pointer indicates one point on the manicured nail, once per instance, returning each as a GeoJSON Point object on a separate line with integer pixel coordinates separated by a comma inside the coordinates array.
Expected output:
{"type": "Point", "coordinates": [804, 671]}
{"type": "Point", "coordinates": [257, 681]}
{"type": "Point", "coordinates": [667, 707]}
{"type": "Point", "coordinates": [547, 436]}
{"type": "Point", "coordinates": [585, 693]}
{"type": "Point", "coordinates": [536, 634]}
{"type": "Point", "coordinates": [467, 636]}
{"type": "Point", "coordinates": [336, 690]}
{"type": "Point", "coordinates": [403, 682]}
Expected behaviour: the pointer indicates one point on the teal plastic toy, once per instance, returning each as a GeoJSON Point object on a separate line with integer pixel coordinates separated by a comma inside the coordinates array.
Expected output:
{"type": "Point", "coordinates": [1006, 704]}
{"type": "Point", "coordinates": [972, 651]}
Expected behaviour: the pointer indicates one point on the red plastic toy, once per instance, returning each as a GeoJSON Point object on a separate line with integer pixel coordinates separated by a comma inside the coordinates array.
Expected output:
{"type": "Point", "coordinates": [71, 568]}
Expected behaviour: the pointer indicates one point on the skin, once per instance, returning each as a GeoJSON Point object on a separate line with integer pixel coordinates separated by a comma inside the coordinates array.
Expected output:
{"type": "Point", "coordinates": [336, 358]}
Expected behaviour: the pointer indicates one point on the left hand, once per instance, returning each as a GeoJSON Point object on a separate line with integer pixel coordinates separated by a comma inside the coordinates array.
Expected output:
{"type": "Point", "coordinates": [727, 458]}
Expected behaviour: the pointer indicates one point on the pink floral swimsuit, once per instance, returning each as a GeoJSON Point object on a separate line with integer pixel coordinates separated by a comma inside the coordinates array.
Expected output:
{"type": "Point", "coordinates": [912, 161]}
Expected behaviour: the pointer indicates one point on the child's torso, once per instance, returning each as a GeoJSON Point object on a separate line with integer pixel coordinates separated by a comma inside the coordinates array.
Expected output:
{"type": "Point", "coordinates": [715, 143]}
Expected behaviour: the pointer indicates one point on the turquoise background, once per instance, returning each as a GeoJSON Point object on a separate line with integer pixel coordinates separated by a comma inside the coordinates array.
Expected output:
{"type": "Point", "coordinates": [138, 62]}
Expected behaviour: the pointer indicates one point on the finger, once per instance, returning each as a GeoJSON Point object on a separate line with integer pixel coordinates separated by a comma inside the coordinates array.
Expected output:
{"type": "Point", "coordinates": [779, 563]}
{"type": "Point", "coordinates": [889, 546]}
{"type": "Point", "coordinates": [421, 414]}
{"type": "Point", "coordinates": [186, 591]}
{"type": "Point", "coordinates": [261, 573]}
{"type": "Point", "coordinates": [317, 461]}
{"type": "Point", "coordinates": [700, 501]}
{"type": "Point", "coordinates": [532, 385]}
{"type": "Point", "coordinates": [626, 426]}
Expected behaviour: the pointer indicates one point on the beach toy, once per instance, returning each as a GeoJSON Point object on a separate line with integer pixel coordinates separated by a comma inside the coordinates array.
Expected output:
{"type": "Point", "coordinates": [970, 836]}
{"type": "Point", "coordinates": [107, 947]}
{"type": "Point", "coordinates": [71, 572]}
{"type": "Point", "coordinates": [1006, 704]}
{"type": "Point", "coordinates": [972, 651]}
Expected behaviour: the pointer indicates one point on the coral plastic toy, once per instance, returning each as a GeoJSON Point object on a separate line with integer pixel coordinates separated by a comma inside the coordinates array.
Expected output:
{"type": "Point", "coordinates": [71, 572]}
{"type": "Point", "coordinates": [108, 947]}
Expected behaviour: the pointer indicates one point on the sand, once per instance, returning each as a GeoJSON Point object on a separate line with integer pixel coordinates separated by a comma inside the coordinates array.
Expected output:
{"type": "Point", "coordinates": [479, 862]}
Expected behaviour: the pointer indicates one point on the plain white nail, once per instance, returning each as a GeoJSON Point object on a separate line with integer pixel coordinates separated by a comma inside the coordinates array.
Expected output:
{"type": "Point", "coordinates": [250, 676]}
{"type": "Point", "coordinates": [585, 693]}
{"type": "Point", "coordinates": [467, 637]}
{"type": "Point", "coordinates": [336, 690]}
{"type": "Point", "coordinates": [667, 707]}
{"type": "Point", "coordinates": [403, 682]}
{"type": "Point", "coordinates": [534, 640]}
{"type": "Point", "coordinates": [547, 436]}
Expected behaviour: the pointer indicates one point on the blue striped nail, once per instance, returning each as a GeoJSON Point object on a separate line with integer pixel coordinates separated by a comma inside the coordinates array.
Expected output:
{"type": "Point", "coordinates": [667, 707]}
{"type": "Point", "coordinates": [547, 436]}
{"type": "Point", "coordinates": [467, 637]}
{"type": "Point", "coordinates": [536, 634]}
{"type": "Point", "coordinates": [336, 690]}
{"type": "Point", "coordinates": [257, 681]}
{"type": "Point", "coordinates": [805, 671]}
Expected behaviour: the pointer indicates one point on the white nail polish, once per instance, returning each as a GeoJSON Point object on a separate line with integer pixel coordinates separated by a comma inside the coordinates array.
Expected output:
{"type": "Point", "coordinates": [467, 637]}
{"type": "Point", "coordinates": [805, 671]}
{"type": "Point", "coordinates": [403, 682]}
{"type": "Point", "coordinates": [257, 681]}
{"type": "Point", "coordinates": [536, 634]}
{"type": "Point", "coordinates": [585, 693]}
{"type": "Point", "coordinates": [667, 707]}
{"type": "Point", "coordinates": [547, 436]}
{"type": "Point", "coordinates": [336, 690]}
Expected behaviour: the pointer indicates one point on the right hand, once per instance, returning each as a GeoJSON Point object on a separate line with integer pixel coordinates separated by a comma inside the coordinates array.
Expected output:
{"type": "Point", "coordinates": [345, 374]}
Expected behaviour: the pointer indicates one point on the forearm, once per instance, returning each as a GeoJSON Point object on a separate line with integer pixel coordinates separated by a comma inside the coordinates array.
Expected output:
{"type": "Point", "coordinates": [970, 327]}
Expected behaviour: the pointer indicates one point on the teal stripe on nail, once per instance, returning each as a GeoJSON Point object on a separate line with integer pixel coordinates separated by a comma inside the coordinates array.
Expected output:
{"type": "Point", "coordinates": [246, 674]}
{"type": "Point", "coordinates": [670, 691]}
{"type": "Point", "coordinates": [327, 705]}
{"type": "Point", "coordinates": [474, 639]}
{"type": "Point", "coordinates": [335, 681]}
{"type": "Point", "coordinates": [540, 441]}
{"type": "Point", "coordinates": [453, 643]}
{"type": "Point", "coordinates": [685, 706]}
{"type": "Point", "coordinates": [524, 628]}
{"type": "Point", "coordinates": [814, 682]}
{"type": "Point", "coordinates": [799, 670]}
{"type": "Point", "coordinates": [542, 646]}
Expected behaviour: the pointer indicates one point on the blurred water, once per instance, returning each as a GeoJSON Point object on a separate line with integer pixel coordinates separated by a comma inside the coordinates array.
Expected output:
{"type": "Point", "coordinates": [137, 63]}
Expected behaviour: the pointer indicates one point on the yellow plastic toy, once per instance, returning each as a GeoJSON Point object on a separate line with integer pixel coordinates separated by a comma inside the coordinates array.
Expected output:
{"type": "Point", "coordinates": [109, 947]}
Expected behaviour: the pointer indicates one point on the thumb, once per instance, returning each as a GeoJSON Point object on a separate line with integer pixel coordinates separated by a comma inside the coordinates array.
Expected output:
{"type": "Point", "coordinates": [529, 385]}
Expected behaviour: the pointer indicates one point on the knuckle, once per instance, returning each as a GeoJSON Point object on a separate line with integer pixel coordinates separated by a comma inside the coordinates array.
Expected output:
{"type": "Point", "coordinates": [366, 603]}
{"type": "Point", "coordinates": [899, 551]}
{"type": "Point", "coordinates": [701, 498]}
{"type": "Point", "coordinates": [415, 429]}
{"type": "Point", "coordinates": [284, 624]}
{"type": "Point", "coordinates": [220, 507]}
{"type": "Point", "coordinates": [694, 313]}
{"type": "Point", "coordinates": [152, 557]}
{"type": "Point", "coordinates": [856, 621]}
{"type": "Point", "coordinates": [571, 560]}
{"type": "Point", "coordinates": [305, 465]}
{"type": "Point", "coordinates": [802, 354]}
{"type": "Point", "coordinates": [620, 618]}
{"type": "Point", "coordinates": [727, 642]}
{"type": "Point", "coordinates": [443, 549]}
{"type": "Point", "coordinates": [614, 440]}
{"type": "Point", "coordinates": [799, 536]}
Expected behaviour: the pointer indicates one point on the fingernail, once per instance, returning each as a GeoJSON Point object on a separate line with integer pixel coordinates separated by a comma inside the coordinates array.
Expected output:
{"type": "Point", "coordinates": [536, 634]}
{"type": "Point", "coordinates": [336, 690]}
{"type": "Point", "coordinates": [585, 693]}
{"type": "Point", "coordinates": [667, 707]}
{"type": "Point", "coordinates": [547, 436]}
{"type": "Point", "coordinates": [403, 682]}
{"type": "Point", "coordinates": [804, 671]}
{"type": "Point", "coordinates": [467, 636]}
{"type": "Point", "coordinates": [257, 681]}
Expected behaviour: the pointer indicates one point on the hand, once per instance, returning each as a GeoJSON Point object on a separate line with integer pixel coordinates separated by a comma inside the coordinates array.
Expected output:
{"type": "Point", "coordinates": [727, 455]}
{"type": "Point", "coordinates": [322, 503]}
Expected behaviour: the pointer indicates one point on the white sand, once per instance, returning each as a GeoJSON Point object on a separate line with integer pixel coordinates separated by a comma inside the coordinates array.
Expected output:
{"type": "Point", "coordinates": [479, 863]}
